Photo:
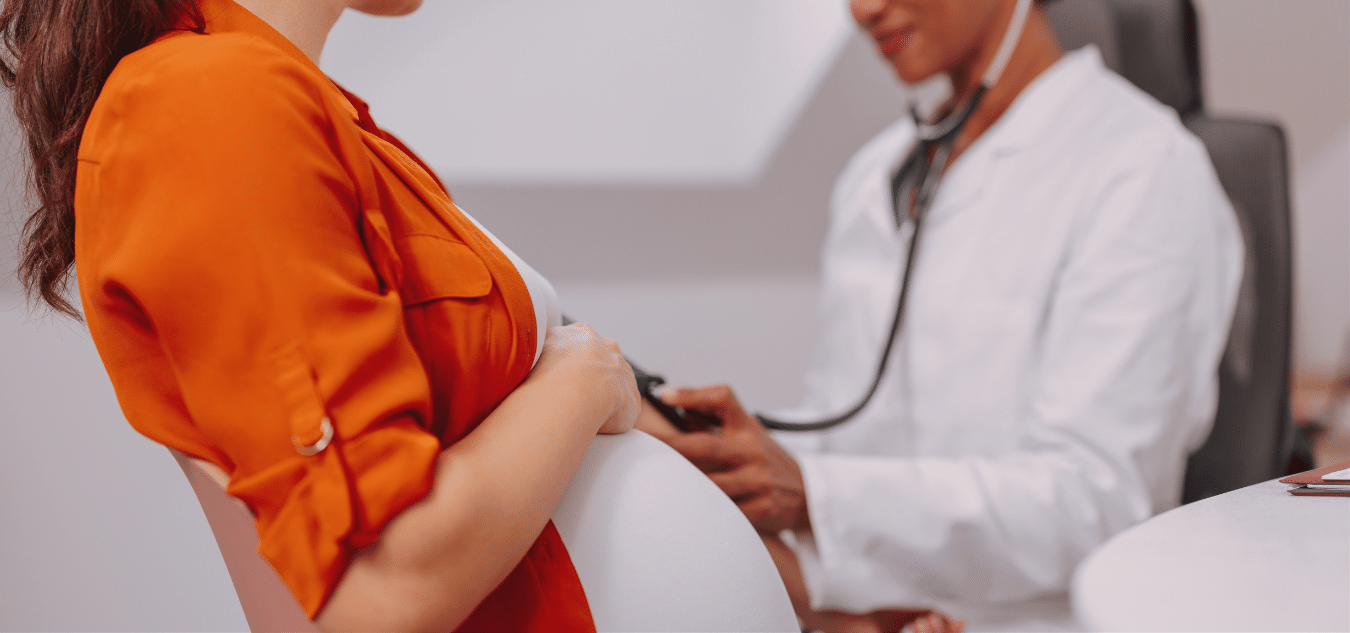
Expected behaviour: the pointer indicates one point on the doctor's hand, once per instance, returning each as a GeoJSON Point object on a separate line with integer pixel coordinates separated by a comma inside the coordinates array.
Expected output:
{"type": "Point", "coordinates": [883, 621]}
{"type": "Point", "coordinates": [833, 621]}
{"type": "Point", "coordinates": [743, 459]}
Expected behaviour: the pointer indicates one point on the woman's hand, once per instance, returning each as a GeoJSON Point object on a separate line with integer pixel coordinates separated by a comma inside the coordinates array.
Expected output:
{"type": "Point", "coordinates": [591, 367]}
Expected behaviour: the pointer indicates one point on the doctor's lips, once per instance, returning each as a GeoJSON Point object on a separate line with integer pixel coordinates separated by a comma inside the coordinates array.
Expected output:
{"type": "Point", "coordinates": [892, 42]}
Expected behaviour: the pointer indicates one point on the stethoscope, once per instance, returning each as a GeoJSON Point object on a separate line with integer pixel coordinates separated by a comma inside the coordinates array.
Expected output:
{"type": "Point", "coordinates": [918, 169]}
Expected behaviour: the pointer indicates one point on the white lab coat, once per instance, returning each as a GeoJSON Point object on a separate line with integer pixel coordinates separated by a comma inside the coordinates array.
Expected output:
{"type": "Point", "coordinates": [1069, 306]}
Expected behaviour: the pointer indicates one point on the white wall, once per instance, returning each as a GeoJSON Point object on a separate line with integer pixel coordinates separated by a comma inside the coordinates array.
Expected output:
{"type": "Point", "coordinates": [597, 91]}
{"type": "Point", "coordinates": [653, 110]}
{"type": "Point", "coordinates": [98, 527]}
{"type": "Point", "coordinates": [100, 530]}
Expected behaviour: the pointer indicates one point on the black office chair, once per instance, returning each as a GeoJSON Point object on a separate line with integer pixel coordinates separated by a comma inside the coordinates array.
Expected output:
{"type": "Point", "coordinates": [1154, 44]}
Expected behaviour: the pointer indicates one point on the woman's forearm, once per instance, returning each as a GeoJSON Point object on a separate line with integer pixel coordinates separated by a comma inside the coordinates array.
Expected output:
{"type": "Point", "coordinates": [492, 495]}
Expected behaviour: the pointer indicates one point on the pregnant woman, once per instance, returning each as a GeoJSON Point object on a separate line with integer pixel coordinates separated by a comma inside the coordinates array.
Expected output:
{"type": "Point", "coordinates": [280, 288]}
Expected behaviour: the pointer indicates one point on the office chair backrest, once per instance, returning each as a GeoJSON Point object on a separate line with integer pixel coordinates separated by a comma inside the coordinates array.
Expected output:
{"type": "Point", "coordinates": [1155, 44]}
{"type": "Point", "coordinates": [1253, 433]}
{"type": "Point", "coordinates": [1160, 50]}
{"type": "Point", "coordinates": [1081, 22]}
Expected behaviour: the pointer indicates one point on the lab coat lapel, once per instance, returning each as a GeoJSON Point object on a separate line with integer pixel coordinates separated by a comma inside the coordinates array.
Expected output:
{"type": "Point", "coordinates": [1025, 120]}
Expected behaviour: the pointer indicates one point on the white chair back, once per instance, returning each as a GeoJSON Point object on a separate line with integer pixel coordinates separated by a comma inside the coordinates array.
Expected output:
{"type": "Point", "coordinates": [267, 603]}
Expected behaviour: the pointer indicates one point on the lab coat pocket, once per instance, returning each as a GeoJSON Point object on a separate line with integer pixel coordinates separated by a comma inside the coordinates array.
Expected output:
{"type": "Point", "coordinates": [441, 268]}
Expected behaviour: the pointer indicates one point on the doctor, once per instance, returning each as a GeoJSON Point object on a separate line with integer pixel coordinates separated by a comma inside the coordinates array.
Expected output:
{"type": "Point", "coordinates": [1055, 364]}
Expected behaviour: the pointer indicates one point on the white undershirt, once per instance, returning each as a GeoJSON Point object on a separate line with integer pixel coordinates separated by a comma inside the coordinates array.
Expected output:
{"type": "Point", "coordinates": [542, 295]}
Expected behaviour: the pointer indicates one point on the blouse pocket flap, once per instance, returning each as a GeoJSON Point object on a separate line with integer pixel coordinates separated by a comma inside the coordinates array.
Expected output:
{"type": "Point", "coordinates": [438, 268]}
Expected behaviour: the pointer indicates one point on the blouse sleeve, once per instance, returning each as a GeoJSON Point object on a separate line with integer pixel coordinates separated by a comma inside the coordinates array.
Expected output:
{"type": "Point", "coordinates": [220, 245]}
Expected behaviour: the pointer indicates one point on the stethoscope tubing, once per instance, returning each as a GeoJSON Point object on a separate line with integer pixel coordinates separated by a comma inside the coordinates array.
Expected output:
{"type": "Point", "coordinates": [930, 178]}
{"type": "Point", "coordinates": [942, 134]}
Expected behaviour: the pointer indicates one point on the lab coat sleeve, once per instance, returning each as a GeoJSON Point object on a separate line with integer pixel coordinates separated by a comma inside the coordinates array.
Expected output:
{"type": "Point", "coordinates": [1128, 341]}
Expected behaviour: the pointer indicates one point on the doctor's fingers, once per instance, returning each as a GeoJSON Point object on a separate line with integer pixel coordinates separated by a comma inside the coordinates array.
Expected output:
{"type": "Point", "coordinates": [934, 622]}
{"type": "Point", "coordinates": [710, 453]}
{"type": "Point", "coordinates": [717, 399]}
{"type": "Point", "coordinates": [759, 511]}
{"type": "Point", "coordinates": [773, 511]}
{"type": "Point", "coordinates": [743, 483]}
{"type": "Point", "coordinates": [769, 506]}
{"type": "Point", "coordinates": [841, 622]}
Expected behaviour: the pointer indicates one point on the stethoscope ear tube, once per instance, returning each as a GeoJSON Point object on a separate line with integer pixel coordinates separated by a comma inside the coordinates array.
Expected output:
{"type": "Point", "coordinates": [949, 125]}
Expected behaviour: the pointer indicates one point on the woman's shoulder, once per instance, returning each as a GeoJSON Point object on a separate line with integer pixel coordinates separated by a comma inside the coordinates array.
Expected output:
{"type": "Point", "coordinates": [202, 59]}
{"type": "Point", "coordinates": [195, 76]}
{"type": "Point", "coordinates": [207, 84]}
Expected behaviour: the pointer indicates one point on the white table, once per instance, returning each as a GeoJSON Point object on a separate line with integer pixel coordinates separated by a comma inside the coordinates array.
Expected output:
{"type": "Point", "coordinates": [1255, 559]}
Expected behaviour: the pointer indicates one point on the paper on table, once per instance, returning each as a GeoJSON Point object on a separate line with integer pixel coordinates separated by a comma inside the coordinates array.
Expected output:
{"type": "Point", "coordinates": [1340, 475]}
{"type": "Point", "coordinates": [1318, 475]}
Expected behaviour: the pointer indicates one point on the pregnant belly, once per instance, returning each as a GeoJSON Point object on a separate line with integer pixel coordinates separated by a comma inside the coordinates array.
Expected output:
{"type": "Point", "coordinates": [658, 547]}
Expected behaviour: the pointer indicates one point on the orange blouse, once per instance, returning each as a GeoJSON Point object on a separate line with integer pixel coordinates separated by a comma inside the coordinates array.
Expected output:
{"type": "Point", "coordinates": [259, 263]}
